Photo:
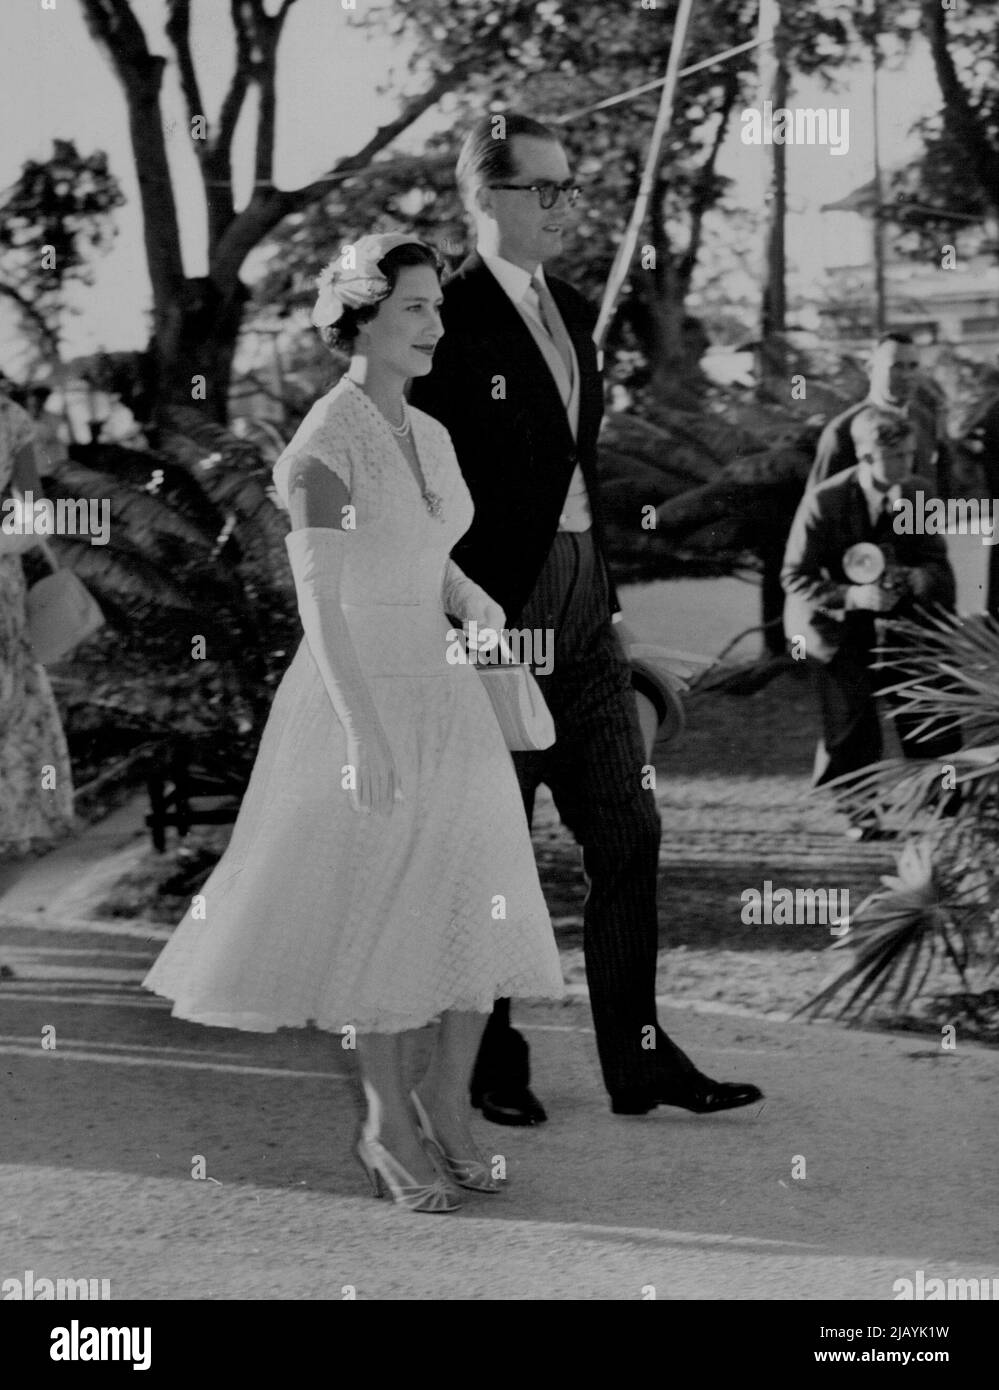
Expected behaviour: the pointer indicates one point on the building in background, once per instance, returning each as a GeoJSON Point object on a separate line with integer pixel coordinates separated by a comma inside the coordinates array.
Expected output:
{"type": "Point", "coordinates": [951, 302]}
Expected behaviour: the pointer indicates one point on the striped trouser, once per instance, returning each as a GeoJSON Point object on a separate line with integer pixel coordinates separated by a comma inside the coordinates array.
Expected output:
{"type": "Point", "coordinates": [594, 772]}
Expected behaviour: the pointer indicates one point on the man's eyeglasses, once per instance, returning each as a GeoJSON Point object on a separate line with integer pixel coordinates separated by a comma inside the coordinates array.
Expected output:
{"type": "Point", "coordinates": [548, 193]}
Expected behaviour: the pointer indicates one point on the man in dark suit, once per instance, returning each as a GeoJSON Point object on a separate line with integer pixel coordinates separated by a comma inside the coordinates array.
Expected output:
{"type": "Point", "coordinates": [517, 384]}
{"type": "Point", "coordinates": [896, 389]}
{"type": "Point", "coordinates": [837, 618]}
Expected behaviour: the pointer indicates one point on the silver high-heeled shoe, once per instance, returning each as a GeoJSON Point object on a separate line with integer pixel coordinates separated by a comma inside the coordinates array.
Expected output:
{"type": "Point", "coordinates": [467, 1172]}
{"type": "Point", "coordinates": [389, 1178]}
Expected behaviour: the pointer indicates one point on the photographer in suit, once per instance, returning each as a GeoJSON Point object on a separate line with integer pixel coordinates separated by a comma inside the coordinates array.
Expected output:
{"type": "Point", "coordinates": [838, 618]}
{"type": "Point", "coordinates": [517, 384]}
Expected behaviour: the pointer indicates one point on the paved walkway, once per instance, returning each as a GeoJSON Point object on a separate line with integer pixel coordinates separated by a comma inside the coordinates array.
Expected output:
{"type": "Point", "coordinates": [871, 1158]}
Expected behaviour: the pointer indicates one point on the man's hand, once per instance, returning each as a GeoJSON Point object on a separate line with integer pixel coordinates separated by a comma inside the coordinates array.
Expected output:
{"type": "Point", "coordinates": [624, 632]}
{"type": "Point", "coordinates": [913, 582]}
{"type": "Point", "coordinates": [869, 598]}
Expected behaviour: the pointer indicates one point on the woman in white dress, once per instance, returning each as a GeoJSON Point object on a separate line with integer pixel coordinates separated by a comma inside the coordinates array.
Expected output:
{"type": "Point", "coordinates": [380, 874]}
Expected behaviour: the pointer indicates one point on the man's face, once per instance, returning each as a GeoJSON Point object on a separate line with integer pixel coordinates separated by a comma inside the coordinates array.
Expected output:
{"type": "Point", "coordinates": [890, 463]}
{"type": "Point", "coordinates": [894, 370]}
{"type": "Point", "coordinates": [512, 222]}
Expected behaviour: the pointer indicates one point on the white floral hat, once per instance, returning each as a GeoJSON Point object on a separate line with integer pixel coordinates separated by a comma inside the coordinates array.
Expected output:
{"type": "Point", "coordinates": [352, 279]}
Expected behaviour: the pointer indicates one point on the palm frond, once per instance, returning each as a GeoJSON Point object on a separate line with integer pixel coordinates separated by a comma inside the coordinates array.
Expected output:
{"type": "Point", "coordinates": [904, 927]}
{"type": "Point", "coordinates": [947, 667]}
{"type": "Point", "coordinates": [151, 473]}
{"type": "Point", "coordinates": [947, 680]}
{"type": "Point", "coordinates": [140, 514]}
{"type": "Point", "coordinates": [236, 477]}
{"type": "Point", "coordinates": [911, 795]}
{"type": "Point", "coordinates": [122, 575]}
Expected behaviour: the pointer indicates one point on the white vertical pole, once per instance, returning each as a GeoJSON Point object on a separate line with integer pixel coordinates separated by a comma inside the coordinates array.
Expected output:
{"type": "Point", "coordinates": [626, 250]}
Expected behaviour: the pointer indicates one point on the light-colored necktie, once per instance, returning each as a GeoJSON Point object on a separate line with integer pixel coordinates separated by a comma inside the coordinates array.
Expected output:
{"type": "Point", "coordinates": [576, 514]}
{"type": "Point", "coordinates": [554, 327]}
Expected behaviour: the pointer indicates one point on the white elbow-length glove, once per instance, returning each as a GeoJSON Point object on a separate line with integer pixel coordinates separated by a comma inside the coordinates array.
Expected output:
{"type": "Point", "coordinates": [316, 554]}
{"type": "Point", "coordinates": [467, 601]}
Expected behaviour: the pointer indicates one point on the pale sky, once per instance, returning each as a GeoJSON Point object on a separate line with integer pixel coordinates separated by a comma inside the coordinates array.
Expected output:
{"type": "Point", "coordinates": [54, 82]}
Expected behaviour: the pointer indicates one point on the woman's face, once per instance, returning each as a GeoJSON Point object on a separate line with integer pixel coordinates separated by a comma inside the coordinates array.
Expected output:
{"type": "Point", "coordinates": [407, 327]}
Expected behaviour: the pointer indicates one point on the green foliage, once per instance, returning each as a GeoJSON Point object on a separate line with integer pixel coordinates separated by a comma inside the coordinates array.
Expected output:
{"type": "Point", "coordinates": [953, 184]}
{"type": "Point", "coordinates": [53, 219]}
{"type": "Point", "coordinates": [944, 899]}
{"type": "Point", "coordinates": [552, 60]}
{"type": "Point", "coordinates": [195, 551]}
{"type": "Point", "coordinates": [724, 473]}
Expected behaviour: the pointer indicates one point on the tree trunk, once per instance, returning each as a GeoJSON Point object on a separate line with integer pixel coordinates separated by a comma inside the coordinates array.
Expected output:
{"type": "Point", "coordinates": [774, 86]}
{"type": "Point", "coordinates": [772, 382]}
{"type": "Point", "coordinates": [192, 356]}
{"type": "Point", "coordinates": [665, 293]}
{"type": "Point", "coordinates": [666, 315]}
{"type": "Point", "coordinates": [196, 322]}
{"type": "Point", "coordinates": [772, 600]}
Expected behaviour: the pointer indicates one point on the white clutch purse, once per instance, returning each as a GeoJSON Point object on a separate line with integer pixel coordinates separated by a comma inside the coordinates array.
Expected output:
{"type": "Point", "coordinates": [61, 613]}
{"type": "Point", "coordinates": [518, 704]}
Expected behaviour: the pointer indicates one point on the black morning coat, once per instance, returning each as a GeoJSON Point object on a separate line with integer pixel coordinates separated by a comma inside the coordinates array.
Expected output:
{"type": "Point", "coordinates": [492, 390]}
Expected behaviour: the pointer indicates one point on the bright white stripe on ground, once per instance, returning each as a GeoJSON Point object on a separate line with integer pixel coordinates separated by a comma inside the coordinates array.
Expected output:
{"type": "Point", "coordinates": [66, 1055]}
{"type": "Point", "coordinates": [63, 1041]}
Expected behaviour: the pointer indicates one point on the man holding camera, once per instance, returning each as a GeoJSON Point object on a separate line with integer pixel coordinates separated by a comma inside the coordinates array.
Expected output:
{"type": "Point", "coordinates": [837, 617]}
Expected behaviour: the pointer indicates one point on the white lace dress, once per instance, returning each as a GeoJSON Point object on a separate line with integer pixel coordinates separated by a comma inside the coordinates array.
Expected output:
{"type": "Point", "coordinates": [316, 912]}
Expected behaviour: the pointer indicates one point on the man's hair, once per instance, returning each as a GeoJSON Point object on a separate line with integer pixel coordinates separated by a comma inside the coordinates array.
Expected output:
{"type": "Point", "coordinates": [485, 155]}
{"type": "Point", "coordinates": [895, 337]}
{"type": "Point", "coordinates": [873, 427]}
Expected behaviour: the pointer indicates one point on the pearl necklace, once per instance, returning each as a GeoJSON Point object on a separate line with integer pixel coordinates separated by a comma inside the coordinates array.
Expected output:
{"type": "Point", "coordinates": [433, 501]}
{"type": "Point", "coordinates": [400, 431]}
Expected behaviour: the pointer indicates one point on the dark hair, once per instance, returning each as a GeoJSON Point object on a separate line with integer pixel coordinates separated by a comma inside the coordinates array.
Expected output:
{"type": "Point", "coordinates": [872, 425]}
{"type": "Point", "coordinates": [485, 153]}
{"type": "Point", "coordinates": [894, 337]}
{"type": "Point", "coordinates": [342, 335]}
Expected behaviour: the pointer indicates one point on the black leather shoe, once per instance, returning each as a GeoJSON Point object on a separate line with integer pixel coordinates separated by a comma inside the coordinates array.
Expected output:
{"type": "Point", "coordinates": [701, 1095]}
{"type": "Point", "coordinates": [514, 1107]}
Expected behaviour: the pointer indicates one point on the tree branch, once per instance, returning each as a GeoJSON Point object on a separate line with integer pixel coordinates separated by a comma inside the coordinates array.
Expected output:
{"type": "Point", "coordinates": [269, 36]}
{"type": "Point", "coordinates": [178, 27]}
{"type": "Point", "coordinates": [270, 205]}
{"type": "Point", "coordinates": [257, 37]}
{"type": "Point", "coordinates": [704, 195]}
{"type": "Point", "coordinates": [35, 317]}
{"type": "Point", "coordinates": [119, 35]}
{"type": "Point", "coordinates": [384, 135]}
{"type": "Point", "coordinates": [216, 165]}
{"type": "Point", "coordinates": [959, 114]}
{"type": "Point", "coordinates": [232, 103]}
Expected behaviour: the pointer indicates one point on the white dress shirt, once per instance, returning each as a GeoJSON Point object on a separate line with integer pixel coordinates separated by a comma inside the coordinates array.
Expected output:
{"type": "Point", "coordinates": [876, 500]}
